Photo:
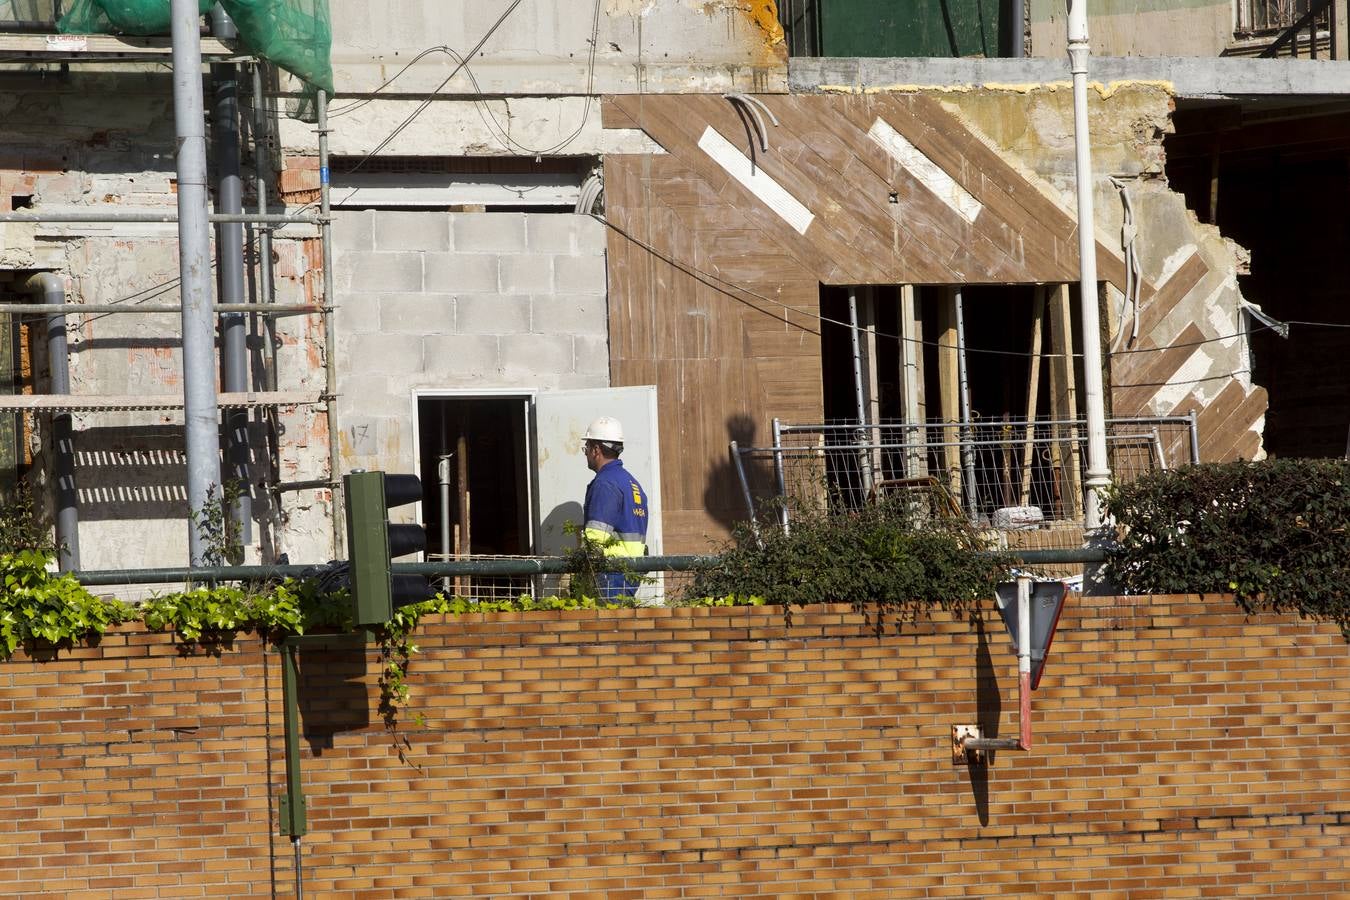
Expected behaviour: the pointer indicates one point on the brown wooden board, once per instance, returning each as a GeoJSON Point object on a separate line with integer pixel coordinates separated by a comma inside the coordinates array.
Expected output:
{"type": "Point", "coordinates": [1134, 387]}
{"type": "Point", "coordinates": [1168, 295]}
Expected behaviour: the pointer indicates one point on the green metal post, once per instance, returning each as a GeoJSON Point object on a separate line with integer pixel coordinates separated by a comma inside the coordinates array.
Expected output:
{"type": "Point", "coordinates": [293, 801]}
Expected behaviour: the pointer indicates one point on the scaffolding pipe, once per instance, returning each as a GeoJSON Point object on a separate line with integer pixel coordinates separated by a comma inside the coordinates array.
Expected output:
{"type": "Point", "coordinates": [329, 325]}
{"type": "Point", "coordinates": [53, 290]}
{"type": "Point", "coordinates": [963, 381]}
{"type": "Point", "coordinates": [780, 478]}
{"type": "Point", "coordinates": [230, 272]}
{"type": "Point", "coordinates": [104, 309]}
{"type": "Point", "coordinates": [261, 163]}
{"type": "Point", "coordinates": [154, 218]}
{"type": "Point", "coordinates": [1098, 468]}
{"type": "Point", "coordinates": [202, 427]}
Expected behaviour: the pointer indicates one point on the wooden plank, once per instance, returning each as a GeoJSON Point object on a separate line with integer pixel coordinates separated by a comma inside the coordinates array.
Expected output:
{"type": "Point", "coordinates": [1167, 296]}
{"type": "Point", "coordinates": [819, 252]}
{"type": "Point", "coordinates": [976, 252]}
{"type": "Point", "coordinates": [949, 400]}
{"type": "Point", "coordinates": [911, 230]}
{"type": "Point", "coordinates": [1210, 421]}
{"type": "Point", "coordinates": [1132, 390]}
{"type": "Point", "coordinates": [862, 251]}
{"type": "Point", "coordinates": [1066, 452]}
{"type": "Point", "coordinates": [1033, 388]}
{"type": "Point", "coordinates": [1232, 433]}
{"type": "Point", "coordinates": [939, 134]}
{"type": "Point", "coordinates": [998, 182]}
{"type": "Point", "coordinates": [629, 264]}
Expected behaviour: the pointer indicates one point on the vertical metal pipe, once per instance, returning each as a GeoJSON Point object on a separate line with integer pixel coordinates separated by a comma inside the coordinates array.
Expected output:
{"type": "Point", "coordinates": [745, 487]}
{"type": "Point", "coordinates": [967, 451]}
{"type": "Point", "coordinates": [201, 418]}
{"type": "Point", "coordinates": [329, 327]}
{"type": "Point", "coordinates": [1194, 427]}
{"type": "Point", "coordinates": [53, 292]}
{"type": "Point", "coordinates": [779, 477]}
{"type": "Point", "coordinates": [294, 816]}
{"type": "Point", "coordinates": [1024, 660]}
{"type": "Point", "coordinates": [261, 164]}
{"type": "Point", "coordinates": [1098, 470]}
{"type": "Point", "coordinates": [1018, 16]}
{"type": "Point", "coordinates": [864, 463]}
{"type": "Point", "coordinates": [230, 272]}
{"type": "Point", "coordinates": [443, 477]}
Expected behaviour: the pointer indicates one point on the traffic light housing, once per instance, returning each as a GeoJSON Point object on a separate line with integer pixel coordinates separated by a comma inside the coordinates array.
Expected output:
{"type": "Point", "coordinates": [372, 543]}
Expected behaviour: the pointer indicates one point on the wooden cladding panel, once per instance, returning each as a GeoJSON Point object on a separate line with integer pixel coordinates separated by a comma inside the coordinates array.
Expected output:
{"type": "Point", "coordinates": [717, 347]}
{"type": "Point", "coordinates": [721, 294]}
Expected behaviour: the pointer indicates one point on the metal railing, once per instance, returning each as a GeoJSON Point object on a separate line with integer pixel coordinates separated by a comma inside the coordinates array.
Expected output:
{"type": "Point", "coordinates": [1002, 473]}
{"type": "Point", "coordinates": [1289, 18]}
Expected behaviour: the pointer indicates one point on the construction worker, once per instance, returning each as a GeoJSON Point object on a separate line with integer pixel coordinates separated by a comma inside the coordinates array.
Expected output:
{"type": "Point", "coordinates": [616, 506]}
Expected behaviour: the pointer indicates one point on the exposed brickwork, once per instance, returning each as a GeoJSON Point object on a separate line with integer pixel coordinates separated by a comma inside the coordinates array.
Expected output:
{"type": "Point", "coordinates": [1180, 751]}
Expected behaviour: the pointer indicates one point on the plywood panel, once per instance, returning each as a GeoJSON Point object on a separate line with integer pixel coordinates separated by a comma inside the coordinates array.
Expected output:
{"type": "Point", "coordinates": [716, 297]}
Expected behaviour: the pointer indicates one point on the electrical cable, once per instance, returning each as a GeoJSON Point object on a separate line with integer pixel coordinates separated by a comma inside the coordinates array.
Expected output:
{"type": "Point", "coordinates": [728, 288]}
{"type": "Point", "coordinates": [389, 139]}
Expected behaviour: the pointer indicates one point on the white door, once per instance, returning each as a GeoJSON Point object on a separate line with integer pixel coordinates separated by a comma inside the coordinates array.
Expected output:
{"type": "Point", "coordinates": [560, 420]}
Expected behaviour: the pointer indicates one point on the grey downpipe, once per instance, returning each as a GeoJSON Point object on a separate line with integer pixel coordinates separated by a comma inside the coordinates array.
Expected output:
{"type": "Point", "coordinates": [200, 414]}
{"type": "Point", "coordinates": [230, 258]}
{"type": "Point", "coordinates": [1017, 15]}
{"type": "Point", "coordinates": [53, 292]}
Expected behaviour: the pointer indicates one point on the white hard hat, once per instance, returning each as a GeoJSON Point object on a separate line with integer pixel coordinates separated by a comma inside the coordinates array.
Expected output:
{"type": "Point", "coordinates": [606, 429]}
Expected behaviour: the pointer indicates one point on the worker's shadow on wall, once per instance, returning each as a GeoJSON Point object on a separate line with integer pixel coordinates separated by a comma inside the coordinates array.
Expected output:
{"type": "Point", "coordinates": [724, 494]}
{"type": "Point", "coordinates": [335, 690]}
{"type": "Point", "coordinates": [988, 709]}
{"type": "Point", "coordinates": [556, 536]}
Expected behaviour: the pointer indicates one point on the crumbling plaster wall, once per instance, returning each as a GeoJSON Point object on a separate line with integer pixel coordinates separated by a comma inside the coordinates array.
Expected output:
{"type": "Point", "coordinates": [106, 141]}
{"type": "Point", "coordinates": [460, 302]}
{"type": "Point", "coordinates": [1034, 127]}
{"type": "Point", "coordinates": [527, 90]}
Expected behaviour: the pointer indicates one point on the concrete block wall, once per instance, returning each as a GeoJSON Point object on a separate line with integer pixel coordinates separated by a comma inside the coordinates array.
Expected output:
{"type": "Point", "coordinates": [1181, 749]}
{"type": "Point", "coordinates": [463, 302]}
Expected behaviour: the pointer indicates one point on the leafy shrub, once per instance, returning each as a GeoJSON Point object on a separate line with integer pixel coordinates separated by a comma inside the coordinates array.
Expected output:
{"type": "Point", "coordinates": [883, 559]}
{"type": "Point", "coordinates": [1276, 534]}
{"type": "Point", "coordinates": [21, 526]}
{"type": "Point", "coordinates": [41, 607]}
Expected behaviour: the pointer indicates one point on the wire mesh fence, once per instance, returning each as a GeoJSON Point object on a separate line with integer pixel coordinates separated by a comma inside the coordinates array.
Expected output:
{"type": "Point", "coordinates": [650, 588]}
{"type": "Point", "coordinates": [1007, 475]}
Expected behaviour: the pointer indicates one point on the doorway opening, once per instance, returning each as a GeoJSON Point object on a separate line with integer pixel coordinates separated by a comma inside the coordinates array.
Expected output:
{"type": "Point", "coordinates": [473, 461]}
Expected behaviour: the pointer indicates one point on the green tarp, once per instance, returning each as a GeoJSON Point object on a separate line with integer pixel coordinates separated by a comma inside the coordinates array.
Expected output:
{"type": "Point", "coordinates": [292, 34]}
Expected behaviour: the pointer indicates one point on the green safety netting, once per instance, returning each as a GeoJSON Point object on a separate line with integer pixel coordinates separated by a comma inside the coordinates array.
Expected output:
{"type": "Point", "coordinates": [292, 34]}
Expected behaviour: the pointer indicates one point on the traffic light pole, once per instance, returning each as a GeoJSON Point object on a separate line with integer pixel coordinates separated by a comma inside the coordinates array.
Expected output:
{"type": "Point", "coordinates": [292, 810]}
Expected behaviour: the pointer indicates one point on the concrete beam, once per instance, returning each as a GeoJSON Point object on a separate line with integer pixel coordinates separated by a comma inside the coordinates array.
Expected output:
{"type": "Point", "coordinates": [1187, 77]}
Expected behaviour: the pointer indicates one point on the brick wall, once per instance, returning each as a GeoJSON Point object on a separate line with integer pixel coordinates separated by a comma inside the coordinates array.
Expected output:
{"type": "Point", "coordinates": [1180, 750]}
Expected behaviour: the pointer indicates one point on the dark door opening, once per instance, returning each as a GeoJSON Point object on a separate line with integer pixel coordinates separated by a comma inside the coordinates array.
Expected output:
{"type": "Point", "coordinates": [486, 444]}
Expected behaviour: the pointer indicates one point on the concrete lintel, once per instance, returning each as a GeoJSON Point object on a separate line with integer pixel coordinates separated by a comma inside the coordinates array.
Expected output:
{"type": "Point", "coordinates": [1186, 77]}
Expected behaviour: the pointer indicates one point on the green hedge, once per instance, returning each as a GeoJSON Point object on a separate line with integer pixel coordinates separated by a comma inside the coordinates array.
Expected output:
{"type": "Point", "coordinates": [1275, 534]}
{"type": "Point", "coordinates": [889, 560]}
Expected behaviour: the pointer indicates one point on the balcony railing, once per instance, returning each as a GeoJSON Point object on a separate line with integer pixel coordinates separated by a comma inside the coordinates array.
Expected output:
{"type": "Point", "coordinates": [995, 474]}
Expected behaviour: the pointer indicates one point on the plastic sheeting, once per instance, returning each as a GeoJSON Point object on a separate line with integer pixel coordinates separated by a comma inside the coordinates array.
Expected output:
{"type": "Point", "coordinates": [295, 35]}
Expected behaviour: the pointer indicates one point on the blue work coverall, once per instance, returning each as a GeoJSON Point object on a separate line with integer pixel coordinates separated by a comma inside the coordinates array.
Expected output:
{"type": "Point", "coordinates": [616, 519]}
